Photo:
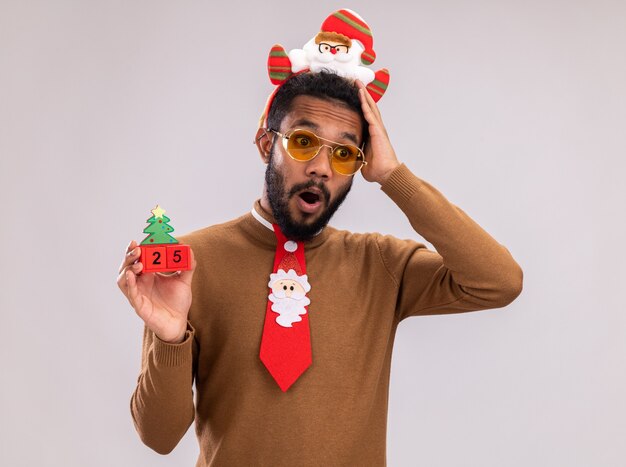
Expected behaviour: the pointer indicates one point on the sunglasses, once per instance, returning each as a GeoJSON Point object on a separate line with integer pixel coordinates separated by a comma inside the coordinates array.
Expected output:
{"type": "Point", "coordinates": [304, 145]}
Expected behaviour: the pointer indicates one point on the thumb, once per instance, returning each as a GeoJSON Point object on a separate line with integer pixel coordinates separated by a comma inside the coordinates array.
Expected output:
{"type": "Point", "coordinates": [186, 276]}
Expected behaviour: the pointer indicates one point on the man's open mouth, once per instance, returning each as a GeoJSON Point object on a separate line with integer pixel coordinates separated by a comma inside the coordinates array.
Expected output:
{"type": "Point", "coordinates": [311, 200]}
{"type": "Point", "coordinates": [310, 197]}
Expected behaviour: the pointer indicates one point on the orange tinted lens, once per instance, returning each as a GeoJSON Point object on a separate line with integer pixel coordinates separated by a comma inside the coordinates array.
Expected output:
{"type": "Point", "coordinates": [302, 145]}
{"type": "Point", "coordinates": [347, 160]}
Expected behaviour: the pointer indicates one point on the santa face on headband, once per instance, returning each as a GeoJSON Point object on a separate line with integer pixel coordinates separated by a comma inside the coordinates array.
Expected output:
{"type": "Point", "coordinates": [332, 51]}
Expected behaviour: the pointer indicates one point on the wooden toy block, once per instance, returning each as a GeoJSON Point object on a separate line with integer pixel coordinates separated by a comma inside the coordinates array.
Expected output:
{"type": "Point", "coordinates": [154, 258]}
{"type": "Point", "coordinates": [178, 257]}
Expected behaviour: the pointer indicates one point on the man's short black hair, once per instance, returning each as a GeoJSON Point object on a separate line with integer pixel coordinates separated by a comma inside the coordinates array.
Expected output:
{"type": "Point", "coordinates": [324, 85]}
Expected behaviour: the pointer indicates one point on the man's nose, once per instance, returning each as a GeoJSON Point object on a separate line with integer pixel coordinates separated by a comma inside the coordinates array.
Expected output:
{"type": "Point", "coordinates": [320, 165]}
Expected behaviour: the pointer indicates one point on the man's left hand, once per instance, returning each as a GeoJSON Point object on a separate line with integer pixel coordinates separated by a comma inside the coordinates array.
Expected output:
{"type": "Point", "coordinates": [379, 154]}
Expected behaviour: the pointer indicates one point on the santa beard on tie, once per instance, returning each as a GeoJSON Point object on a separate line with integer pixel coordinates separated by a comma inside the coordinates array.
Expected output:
{"type": "Point", "coordinates": [289, 309]}
{"type": "Point", "coordinates": [279, 197]}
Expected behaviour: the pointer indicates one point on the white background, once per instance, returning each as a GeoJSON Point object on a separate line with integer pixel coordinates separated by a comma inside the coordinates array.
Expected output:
{"type": "Point", "coordinates": [515, 110]}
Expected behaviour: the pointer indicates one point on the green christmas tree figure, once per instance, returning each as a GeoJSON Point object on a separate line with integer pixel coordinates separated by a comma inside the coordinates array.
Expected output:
{"type": "Point", "coordinates": [159, 229]}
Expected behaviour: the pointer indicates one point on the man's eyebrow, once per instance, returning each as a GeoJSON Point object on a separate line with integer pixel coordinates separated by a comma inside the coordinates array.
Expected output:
{"type": "Point", "coordinates": [350, 136]}
{"type": "Point", "coordinates": [308, 123]}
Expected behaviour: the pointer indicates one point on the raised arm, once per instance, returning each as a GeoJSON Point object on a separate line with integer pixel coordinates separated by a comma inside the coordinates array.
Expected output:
{"type": "Point", "coordinates": [469, 271]}
{"type": "Point", "coordinates": [162, 403]}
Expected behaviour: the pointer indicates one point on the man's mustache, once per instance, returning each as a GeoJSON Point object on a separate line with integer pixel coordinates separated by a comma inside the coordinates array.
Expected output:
{"type": "Point", "coordinates": [310, 184]}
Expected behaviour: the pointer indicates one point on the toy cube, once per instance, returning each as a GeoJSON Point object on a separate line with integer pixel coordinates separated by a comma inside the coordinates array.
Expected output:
{"type": "Point", "coordinates": [178, 257]}
{"type": "Point", "coordinates": [153, 258]}
{"type": "Point", "coordinates": [165, 258]}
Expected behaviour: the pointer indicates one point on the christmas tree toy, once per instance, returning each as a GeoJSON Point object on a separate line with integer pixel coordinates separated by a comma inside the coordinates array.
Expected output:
{"type": "Point", "coordinates": [160, 252]}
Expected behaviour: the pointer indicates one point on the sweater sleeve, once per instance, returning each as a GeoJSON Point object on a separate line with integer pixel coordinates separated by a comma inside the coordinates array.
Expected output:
{"type": "Point", "coordinates": [469, 271]}
{"type": "Point", "coordinates": [162, 403]}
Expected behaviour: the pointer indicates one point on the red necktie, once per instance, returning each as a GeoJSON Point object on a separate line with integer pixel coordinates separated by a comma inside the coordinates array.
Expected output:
{"type": "Point", "coordinates": [286, 341]}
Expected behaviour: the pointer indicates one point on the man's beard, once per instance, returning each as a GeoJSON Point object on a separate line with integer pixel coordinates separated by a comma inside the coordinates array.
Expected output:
{"type": "Point", "coordinates": [279, 202]}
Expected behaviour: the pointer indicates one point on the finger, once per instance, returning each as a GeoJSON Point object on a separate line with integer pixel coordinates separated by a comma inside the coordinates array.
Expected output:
{"type": "Point", "coordinates": [373, 116]}
{"type": "Point", "coordinates": [369, 115]}
{"type": "Point", "coordinates": [130, 249]}
{"type": "Point", "coordinates": [131, 245]}
{"type": "Point", "coordinates": [371, 102]}
{"type": "Point", "coordinates": [366, 98]}
{"type": "Point", "coordinates": [186, 276]}
{"type": "Point", "coordinates": [132, 255]}
{"type": "Point", "coordinates": [133, 295]}
{"type": "Point", "coordinates": [374, 106]}
{"type": "Point", "coordinates": [122, 283]}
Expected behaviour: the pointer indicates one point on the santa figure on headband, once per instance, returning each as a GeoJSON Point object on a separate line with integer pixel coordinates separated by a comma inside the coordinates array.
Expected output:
{"type": "Point", "coordinates": [344, 45]}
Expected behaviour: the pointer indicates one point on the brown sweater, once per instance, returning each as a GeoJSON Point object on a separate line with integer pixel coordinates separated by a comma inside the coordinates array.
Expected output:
{"type": "Point", "coordinates": [362, 286]}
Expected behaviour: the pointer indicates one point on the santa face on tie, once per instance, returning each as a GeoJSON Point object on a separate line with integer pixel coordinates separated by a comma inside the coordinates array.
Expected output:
{"type": "Point", "coordinates": [288, 296]}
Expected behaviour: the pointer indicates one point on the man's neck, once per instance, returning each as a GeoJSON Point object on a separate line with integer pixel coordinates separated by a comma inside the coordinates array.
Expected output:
{"type": "Point", "coordinates": [265, 203]}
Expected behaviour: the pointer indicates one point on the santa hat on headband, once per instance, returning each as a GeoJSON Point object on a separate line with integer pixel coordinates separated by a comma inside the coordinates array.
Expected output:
{"type": "Point", "coordinates": [350, 24]}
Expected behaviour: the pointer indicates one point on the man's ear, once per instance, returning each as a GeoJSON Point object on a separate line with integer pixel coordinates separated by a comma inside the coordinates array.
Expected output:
{"type": "Point", "coordinates": [263, 143]}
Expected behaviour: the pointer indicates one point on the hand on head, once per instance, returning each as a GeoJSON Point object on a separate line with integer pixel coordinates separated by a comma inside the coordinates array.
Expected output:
{"type": "Point", "coordinates": [379, 153]}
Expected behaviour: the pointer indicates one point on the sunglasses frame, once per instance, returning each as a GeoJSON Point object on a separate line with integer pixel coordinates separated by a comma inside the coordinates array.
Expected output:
{"type": "Point", "coordinates": [287, 135]}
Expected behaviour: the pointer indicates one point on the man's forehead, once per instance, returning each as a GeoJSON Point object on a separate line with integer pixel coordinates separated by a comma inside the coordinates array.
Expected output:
{"type": "Point", "coordinates": [317, 114]}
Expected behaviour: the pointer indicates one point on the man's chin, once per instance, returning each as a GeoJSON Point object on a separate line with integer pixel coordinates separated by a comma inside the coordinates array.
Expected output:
{"type": "Point", "coordinates": [307, 221]}
{"type": "Point", "coordinates": [304, 226]}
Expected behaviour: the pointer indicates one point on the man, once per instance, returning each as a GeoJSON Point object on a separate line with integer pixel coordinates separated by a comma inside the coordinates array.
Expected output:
{"type": "Point", "coordinates": [361, 287]}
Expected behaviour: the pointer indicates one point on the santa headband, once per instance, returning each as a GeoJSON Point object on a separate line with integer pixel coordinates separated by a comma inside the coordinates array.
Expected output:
{"type": "Point", "coordinates": [344, 45]}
